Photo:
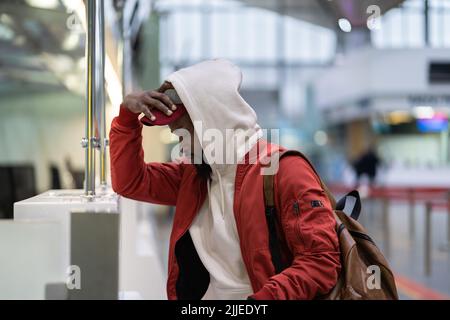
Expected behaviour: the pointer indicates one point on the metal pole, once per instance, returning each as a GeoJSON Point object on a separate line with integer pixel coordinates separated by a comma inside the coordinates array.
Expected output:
{"type": "Point", "coordinates": [412, 214]}
{"type": "Point", "coordinates": [280, 49]}
{"type": "Point", "coordinates": [448, 220]}
{"type": "Point", "coordinates": [427, 246]}
{"type": "Point", "coordinates": [386, 231]}
{"type": "Point", "coordinates": [100, 91]}
{"type": "Point", "coordinates": [127, 76]}
{"type": "Point", "coordinates": [127, 65]}
{"type": "Point", "coordinates": [95, 97]}
{"type": "Point", "coordinates": [89, 140]}
{"type": "Point", "coordinates": [427, 22]}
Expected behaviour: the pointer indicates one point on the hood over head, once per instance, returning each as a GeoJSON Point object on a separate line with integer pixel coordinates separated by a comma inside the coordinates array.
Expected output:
{"type": "Point", "coordinates": [225, 125]}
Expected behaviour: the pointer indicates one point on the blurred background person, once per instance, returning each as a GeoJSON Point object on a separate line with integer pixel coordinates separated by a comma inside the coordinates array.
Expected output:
{"type": "Point", "coordinates": [367, 164]}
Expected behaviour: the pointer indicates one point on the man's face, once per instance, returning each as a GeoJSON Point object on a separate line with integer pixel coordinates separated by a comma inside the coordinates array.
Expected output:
{"type": "Point", "coordinates": [182, 127]}
{"type": "Point", "coordinates": [184, 123]}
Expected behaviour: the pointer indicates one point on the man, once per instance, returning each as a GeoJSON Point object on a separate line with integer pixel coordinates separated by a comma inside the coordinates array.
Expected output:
{"type": "Point", "coordinates": [219, 242]}
{"type": "Point", "coordinates": [367, 164]}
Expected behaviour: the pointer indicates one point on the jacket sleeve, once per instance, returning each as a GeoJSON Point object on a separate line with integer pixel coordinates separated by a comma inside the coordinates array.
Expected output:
{"type": "Point", "coordinates": [309, 227]}
{"type": "Point", "coordinates": [131, 177]}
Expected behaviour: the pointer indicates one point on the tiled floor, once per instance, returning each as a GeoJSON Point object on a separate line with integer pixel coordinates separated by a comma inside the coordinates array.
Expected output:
{"type": "Point", "coordinates": [405, 251]}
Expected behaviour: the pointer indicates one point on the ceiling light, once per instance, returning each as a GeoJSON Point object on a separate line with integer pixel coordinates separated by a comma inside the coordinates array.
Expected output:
{"type": "Point", "coordinates": [6, 33]}
{"type": "Point", "coordinates": [71, 41]}
{"type": "Point", "coordinates": [6, 19]}
{"type": "Point", "coordinates": [43, 4]}
{"type": "Point", "coordinates": [345, 25]}
{"type": "Point", "coordinates": [320, 138]}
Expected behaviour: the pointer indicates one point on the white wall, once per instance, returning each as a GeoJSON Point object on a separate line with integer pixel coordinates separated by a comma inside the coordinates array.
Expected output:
{"type": "Point", "coordinates": [370, 73]}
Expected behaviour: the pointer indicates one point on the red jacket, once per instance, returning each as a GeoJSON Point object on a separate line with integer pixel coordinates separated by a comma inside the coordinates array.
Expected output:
{"type": "Point", "coordinates": [311, 247]}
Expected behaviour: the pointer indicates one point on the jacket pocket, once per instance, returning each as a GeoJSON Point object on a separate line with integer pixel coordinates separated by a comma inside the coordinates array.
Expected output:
{"type": "Point", "coordinates": [298, 232]}
{"type": "Point", "coordinates": [308, 225]}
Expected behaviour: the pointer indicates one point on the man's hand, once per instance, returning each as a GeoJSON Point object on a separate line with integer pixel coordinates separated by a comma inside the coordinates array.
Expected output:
{"type": "Point", "coordinates": [144, 102]}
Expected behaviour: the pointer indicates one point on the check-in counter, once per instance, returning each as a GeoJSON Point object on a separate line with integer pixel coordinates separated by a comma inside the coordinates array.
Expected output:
{"type": "Point", "coordinates": [91, 248]}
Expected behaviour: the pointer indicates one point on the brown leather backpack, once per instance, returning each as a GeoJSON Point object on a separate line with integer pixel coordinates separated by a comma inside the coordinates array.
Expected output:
{"type": "Point", "coordinates": [365, 273]}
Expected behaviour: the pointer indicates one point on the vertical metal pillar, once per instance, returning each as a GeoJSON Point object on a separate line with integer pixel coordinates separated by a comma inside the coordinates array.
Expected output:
{"type": "Point", "coordinates": [127, 52]}
{"type": "Point", "coordinates": [280, 49]}
{"type": "Point", "coordinates": [386, 229]}
{"type": "Point", "coordinates": [427, 238]}
{"type": "Point", "coordinates": [206, 32]}
{"type": "Point", "coordinates": [95, 137]}
{"type": "Point", "coordinates": [100, 91]}
{"type": "Point", "coordinates": [127, 78]}
{"type": "Point", "coordinates": [426, 15]}
{"type": "Point", "coordinates": [412, 214]}
{"type": "Point", "coordinates": [89, 142]}
{"type": "Point", "coordinates": [448, 220]}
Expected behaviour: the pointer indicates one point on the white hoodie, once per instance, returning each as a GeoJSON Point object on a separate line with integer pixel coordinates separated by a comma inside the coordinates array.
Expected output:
{"type": "Point", "coordinates": [210, 93]}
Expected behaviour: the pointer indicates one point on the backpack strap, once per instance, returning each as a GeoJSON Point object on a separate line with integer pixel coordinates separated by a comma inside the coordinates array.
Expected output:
{"type": "Point", "coordinates": [352, 196]}
{"type": "Point", "coordinates": [271, 219]}
{"type": "Point", "coordinates": [271, 211]}
{"type": "Point", "coordinates": [268, 180]}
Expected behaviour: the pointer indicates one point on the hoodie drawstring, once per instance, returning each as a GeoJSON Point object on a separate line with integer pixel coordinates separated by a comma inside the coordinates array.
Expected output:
{"type": "Point", "coordinates": [222, 196]}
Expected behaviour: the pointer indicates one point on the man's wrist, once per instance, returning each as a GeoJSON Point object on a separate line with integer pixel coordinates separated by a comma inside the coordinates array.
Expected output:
{"type": "Point", "coordinates": [127, 118]}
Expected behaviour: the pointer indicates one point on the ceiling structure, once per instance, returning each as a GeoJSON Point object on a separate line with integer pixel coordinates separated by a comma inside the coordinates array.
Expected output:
{"type": "Point", "coordinates": [37, 52]}
{"type": "Point", "coordinates": [326, 12]}
{"type": "Point", "coordinates": [42, 42]}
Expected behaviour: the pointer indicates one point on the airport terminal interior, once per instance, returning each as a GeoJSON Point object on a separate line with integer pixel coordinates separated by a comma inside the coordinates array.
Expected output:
{"type": "Point", "coordinates": [353, 84]}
